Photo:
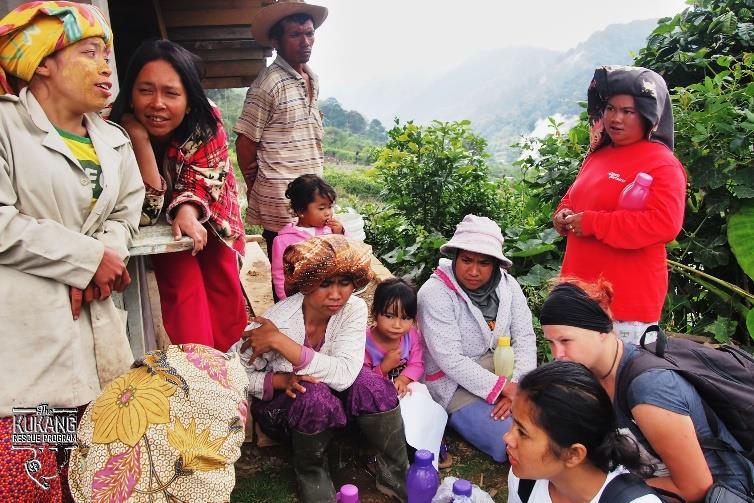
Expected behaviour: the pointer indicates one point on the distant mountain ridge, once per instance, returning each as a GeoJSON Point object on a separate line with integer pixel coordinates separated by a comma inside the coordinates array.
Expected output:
{"type": "Point", "coordinates": [505, 92]}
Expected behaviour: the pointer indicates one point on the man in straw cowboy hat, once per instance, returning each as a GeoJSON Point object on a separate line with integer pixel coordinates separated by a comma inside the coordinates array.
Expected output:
{"type": "Point", "coordinates": [280, 129]}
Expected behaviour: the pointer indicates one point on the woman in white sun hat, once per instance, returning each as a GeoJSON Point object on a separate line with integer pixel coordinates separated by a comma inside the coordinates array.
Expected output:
{"type": "Point", "coordinates": [463, 308]}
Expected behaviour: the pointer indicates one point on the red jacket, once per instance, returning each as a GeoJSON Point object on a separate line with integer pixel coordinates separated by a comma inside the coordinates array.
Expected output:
{"type": "Point", "coordinates": [627, 248]}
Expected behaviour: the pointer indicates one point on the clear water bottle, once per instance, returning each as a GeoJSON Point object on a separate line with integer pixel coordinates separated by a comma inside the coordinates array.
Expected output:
{"type": "Point", "coordinates": [348, 493]}
{"type": "Point", "coordinates": [503, 357]}
{"type": "Point", "coordinates": [422, 479]}
{"type": "Point", "coordinates": [634, 196]}
{"type": "Point", "coordinates": [461, 491]}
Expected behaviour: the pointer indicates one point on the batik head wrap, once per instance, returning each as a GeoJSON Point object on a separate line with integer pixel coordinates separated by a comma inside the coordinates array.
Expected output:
{"type": "Point", "coordinates": [309, 263]}
{"type": "Point", "coordinates": [170, 429]}
{"type": "Point", "coordinates": [650, 94]}
{"type": "Point", "coordinates": [34, 30]}
{"type": "Point", "coordinates": [570, 305]}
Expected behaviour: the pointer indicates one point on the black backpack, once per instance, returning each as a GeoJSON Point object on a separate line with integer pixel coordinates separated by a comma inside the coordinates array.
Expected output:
{"type": "Point", "coordinates": [624, 488]}
{"type": "Point", "coordinates": [723, 377]}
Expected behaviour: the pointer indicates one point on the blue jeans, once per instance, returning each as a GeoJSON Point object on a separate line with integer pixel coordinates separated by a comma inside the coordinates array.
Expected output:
{"type": "Point", "coordinates": [475, 424]}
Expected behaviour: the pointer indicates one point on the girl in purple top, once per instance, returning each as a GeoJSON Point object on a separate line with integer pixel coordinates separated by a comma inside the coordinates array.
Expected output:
{"type": "Point", "coordinates": [393, 345]}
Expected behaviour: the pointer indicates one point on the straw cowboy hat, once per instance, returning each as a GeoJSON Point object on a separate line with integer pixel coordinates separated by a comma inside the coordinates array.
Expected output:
{"type": "Point", "coordinates": [267, 16]}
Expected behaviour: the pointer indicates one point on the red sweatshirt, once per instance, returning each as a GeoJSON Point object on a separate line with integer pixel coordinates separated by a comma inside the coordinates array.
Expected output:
{"type": "Point", "coordinates": [626, 247]}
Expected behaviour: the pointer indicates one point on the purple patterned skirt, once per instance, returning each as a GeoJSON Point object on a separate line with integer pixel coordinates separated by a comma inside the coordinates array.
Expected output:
{"type": "Point", "coordinates": [321, 408]}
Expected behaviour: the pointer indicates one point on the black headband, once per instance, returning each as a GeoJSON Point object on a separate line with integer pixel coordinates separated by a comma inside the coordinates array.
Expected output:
{"type": "Point", "coordinates": [569, 305]}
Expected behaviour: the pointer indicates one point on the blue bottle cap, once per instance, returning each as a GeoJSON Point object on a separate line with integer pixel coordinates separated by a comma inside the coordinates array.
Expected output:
{"type": "Point", "coordinates": [462, 488]}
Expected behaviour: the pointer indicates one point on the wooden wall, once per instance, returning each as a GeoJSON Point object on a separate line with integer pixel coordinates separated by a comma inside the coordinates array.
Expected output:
{"type": "Point", "coordinates": [218, 31]}
{"type": "Point", "coordinates": [220, 35]}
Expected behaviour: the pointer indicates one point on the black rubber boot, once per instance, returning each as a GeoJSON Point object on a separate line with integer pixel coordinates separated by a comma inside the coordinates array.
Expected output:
{"type": "Point", "coordinates": [384, 431]}
{"type": "Point", "coordinates": [310, 464]}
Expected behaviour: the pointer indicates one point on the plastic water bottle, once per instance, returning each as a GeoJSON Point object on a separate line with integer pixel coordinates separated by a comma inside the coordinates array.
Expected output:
{"type": "Point", "coordinates": [634, 196]}
{"type": "Point", "coordinates": [422, 479]}
{"type": "Point", "coordinates": [461, 491]}
{"type": "Point", "coordinates": [503, 357]}
{"type": "Point", "coordinates": [348, 493]}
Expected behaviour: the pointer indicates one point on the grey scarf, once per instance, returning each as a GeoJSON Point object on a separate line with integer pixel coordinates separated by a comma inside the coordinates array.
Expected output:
{"type": "Point", "coordinates": [485, 297]}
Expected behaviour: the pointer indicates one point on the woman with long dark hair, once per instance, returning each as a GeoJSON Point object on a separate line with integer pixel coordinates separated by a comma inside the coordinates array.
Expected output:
{"type": "Point", "coordinates": [182, 151]}
{"type": "Point", "coordinates": [565, 439]}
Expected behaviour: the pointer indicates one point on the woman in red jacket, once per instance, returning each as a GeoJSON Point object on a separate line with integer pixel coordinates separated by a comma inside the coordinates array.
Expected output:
{"type": "Point", "coordinates": [632, 132]}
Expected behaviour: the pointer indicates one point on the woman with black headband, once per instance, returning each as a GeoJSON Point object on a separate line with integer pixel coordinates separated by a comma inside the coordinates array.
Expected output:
{"type": "Point", "coordinates": [664, 411]}
{"type": "Point", "coordinates": [632, 139]}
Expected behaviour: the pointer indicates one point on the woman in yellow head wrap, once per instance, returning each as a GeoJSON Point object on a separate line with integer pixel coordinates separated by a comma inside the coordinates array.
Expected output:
{"type": "Point", "coordinates": [70, 200]}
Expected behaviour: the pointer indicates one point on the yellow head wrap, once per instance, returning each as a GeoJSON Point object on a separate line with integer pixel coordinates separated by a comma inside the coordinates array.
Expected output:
{"type": "Point", "coordinates": [34, 30]}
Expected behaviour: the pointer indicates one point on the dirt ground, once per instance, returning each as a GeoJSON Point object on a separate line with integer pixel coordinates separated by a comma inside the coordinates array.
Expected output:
{"type": "Point", "coordinates": [265, 475]}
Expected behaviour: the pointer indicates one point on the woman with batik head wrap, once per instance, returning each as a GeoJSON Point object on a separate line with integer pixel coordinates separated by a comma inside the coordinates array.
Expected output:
{"type": "Point", "coordinates": [305, 365]}
{"type": "Point", "coordinates": [632, 133]}
{"type": "Point", "coordinates": [70, 199]}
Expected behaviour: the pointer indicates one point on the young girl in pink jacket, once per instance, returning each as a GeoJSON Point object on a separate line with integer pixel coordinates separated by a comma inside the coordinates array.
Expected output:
{"type": "Point", "coordinates": [311, 199]}
{"type": "Point", "coordinates": [393, 345]}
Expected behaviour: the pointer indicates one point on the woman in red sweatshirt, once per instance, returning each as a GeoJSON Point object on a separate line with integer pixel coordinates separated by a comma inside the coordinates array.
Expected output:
{"type": "Point", "coordinates": [632, 132]}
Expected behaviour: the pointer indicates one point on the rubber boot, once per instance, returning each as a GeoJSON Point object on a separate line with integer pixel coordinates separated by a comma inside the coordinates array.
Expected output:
{"type": "Point", "coordinates": [384, 431]}
{"type": "Point", "coordinates": [311, 467]}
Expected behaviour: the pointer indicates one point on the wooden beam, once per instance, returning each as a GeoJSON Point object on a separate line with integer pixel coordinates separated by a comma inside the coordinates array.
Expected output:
{"type": "Point", "coordinates": [231, 32]}
{"type": "Point", "coordinates": [234, 68]}
{"type": "Point", "coordinates": [214, 45]}
{"type": "Point", "coordinates": [216, 4]}
{"type": "Point", "coordinates": [231, 54]}
{"type": "Point", "coordinates": [160, 20]}
{"type": "Point", "coordinates": [207, 17]}
{"type": "Point", "coordinates": [228, 82]}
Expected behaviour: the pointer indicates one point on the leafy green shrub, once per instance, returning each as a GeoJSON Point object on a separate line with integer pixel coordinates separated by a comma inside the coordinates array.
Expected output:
{"type": "Point", "coordinates": [360, 184]}
{"type": "Point", "coordinates": [432, 176]}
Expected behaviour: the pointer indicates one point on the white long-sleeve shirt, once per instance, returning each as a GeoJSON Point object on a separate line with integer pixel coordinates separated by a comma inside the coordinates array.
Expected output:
{"type": "Point", "coordinates": [338, 361]}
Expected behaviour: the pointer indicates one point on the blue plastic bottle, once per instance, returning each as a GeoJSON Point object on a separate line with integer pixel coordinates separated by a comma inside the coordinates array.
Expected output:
{"type": "Point", "coordinates": [461, 491]}
{"type": "Point", "coordinates": [422, 480]}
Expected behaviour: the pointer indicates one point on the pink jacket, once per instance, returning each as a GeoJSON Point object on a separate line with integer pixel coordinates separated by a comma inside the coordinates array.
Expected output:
{"type": "Point", "coordinates": [288, 235]}
{"type": "Point", "coordinates": [414, 369]}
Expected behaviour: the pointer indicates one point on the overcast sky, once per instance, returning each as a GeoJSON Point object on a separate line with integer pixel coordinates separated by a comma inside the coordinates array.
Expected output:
{"type": "Point", "coordinates": [367, 42]}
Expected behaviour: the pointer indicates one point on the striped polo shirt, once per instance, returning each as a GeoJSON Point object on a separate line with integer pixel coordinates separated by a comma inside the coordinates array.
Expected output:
{"type": "Point", "coordinates": [287, 124]}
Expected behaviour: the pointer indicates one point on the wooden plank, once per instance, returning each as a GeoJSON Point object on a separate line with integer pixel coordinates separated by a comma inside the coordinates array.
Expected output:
{"type": "Point", "coordinates": [228, 82]}
{"type": "Point", "coordinates": [158, 238]}
{"type": "Point", "coordinates": [244, 67]}
{"type": "Point", "coordinates": [132, 303]}
{"type": "Point", "coordinates": [231, 54]}
{"type": "Point", "coordinates": [256, 279]}
{"type": "Point", "coordinates": [248, 44]}
{"type": "Point", "coordinates": [207, 17]}
{"type": "Point", "coordinates": [160, 19]}
{"type": "Point", "coordinates": [231, 32]}
{"type": "Point", "coordinates": [202, 4]}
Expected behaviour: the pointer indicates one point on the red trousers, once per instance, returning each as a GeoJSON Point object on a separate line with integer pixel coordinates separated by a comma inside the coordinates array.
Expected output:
{"type": "Point", "coordinates": [200, 296]}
